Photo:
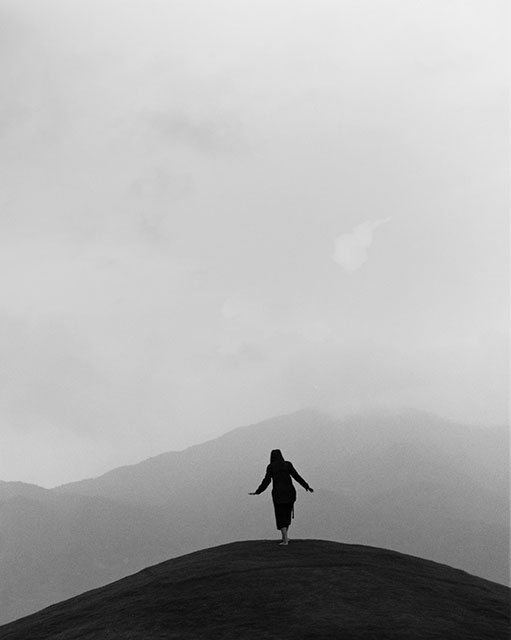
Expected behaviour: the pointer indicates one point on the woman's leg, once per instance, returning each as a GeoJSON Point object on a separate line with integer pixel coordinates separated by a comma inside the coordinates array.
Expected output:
{"type": "Point", "coordinates": [283, 520]}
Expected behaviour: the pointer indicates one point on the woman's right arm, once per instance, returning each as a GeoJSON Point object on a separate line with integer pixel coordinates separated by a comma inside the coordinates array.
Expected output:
{"type": "Point", "coordinates": [264, 484]}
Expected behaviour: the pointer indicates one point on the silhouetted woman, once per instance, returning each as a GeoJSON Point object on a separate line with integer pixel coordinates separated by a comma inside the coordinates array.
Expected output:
{"type": "Point", "coordinates": [283, 492]}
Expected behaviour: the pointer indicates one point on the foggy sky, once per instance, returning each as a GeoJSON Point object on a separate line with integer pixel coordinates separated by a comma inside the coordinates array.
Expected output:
{"type": "Point", "coordinates": [216, 212]}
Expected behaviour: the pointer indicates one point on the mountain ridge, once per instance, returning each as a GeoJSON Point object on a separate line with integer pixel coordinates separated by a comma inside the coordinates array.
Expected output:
{"type": "Point", "coordinates": [374, 485]}
{"type": "Point", "coordinates": [395, 428]}
{"type": "Point", "coordinates": [411, 415]}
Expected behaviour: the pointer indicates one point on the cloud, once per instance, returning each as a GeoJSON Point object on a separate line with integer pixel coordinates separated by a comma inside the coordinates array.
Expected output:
{"type": "Point", "coordinates": [351, 248]}
{"type": "Point", "coordinates": [168, 188]}
{"type": "Point", "coordinates": [206, 134]}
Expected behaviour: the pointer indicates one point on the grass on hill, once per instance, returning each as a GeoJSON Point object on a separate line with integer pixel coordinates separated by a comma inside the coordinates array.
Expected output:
{"type": "Point", "coordinates": [312, 589]}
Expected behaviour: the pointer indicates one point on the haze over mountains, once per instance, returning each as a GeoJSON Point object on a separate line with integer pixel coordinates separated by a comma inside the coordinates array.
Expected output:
{"type": "Point", "coordinates": [407, 481]}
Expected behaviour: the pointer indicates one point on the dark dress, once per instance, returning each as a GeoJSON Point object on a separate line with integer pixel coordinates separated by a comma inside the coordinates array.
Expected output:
{"type": "Point", "coordinates": [283, 492]}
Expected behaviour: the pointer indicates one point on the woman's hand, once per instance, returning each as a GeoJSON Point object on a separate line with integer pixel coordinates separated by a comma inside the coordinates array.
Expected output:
{"type": "Point", "coordinates": [310, 489]}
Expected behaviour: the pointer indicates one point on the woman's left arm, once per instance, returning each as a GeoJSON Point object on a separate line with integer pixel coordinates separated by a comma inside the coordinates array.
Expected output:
{"type": "Point", "coordinates": [294, 473]}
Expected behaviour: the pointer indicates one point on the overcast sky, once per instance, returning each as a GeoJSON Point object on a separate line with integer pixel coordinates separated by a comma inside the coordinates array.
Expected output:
{"type": "Point", "coordinates": [213, 212]}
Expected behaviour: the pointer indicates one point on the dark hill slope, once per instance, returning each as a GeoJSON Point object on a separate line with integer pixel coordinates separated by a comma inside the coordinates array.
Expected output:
{"type": "Point", "coordinates": [406, 480]}
{"type": "Point", "coordinates": [258, 589]}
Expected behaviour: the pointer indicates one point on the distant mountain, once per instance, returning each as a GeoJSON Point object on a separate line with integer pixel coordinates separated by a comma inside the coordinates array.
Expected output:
{"type": "Point", "coordinates": [60, 546]}
{"type": "Point", "coordinates": [408, 481]}
{"type": "Point", "coordinates": [360, 456]}
{"type": "Point", "coordinates": [21, 489]}
{"type": "Point", "coordinates": [258, 589]}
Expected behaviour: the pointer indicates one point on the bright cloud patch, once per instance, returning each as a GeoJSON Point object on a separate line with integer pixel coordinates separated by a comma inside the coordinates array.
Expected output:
{"type": "Point", "coordinates": [350, 249]}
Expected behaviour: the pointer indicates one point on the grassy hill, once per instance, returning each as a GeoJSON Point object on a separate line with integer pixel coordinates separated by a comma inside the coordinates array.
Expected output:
{"type": "Point", "coordinates": [406, 481]}
{"type": "Point", "coordinates": [258, 589]}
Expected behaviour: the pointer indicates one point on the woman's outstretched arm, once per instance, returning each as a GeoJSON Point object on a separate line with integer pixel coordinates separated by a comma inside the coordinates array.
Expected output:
{"type": "Point", "coordinates": [294, 473]}
{"type": "Point", "coordinates": [264, 484]}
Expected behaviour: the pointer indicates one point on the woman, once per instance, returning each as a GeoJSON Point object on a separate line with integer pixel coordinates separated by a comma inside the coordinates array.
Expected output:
{"type": "Point", "coordinates": [283, 492]}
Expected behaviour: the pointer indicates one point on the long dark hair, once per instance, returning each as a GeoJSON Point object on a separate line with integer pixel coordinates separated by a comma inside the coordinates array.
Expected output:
{"type": "Point", "coordinates": [276, 459]}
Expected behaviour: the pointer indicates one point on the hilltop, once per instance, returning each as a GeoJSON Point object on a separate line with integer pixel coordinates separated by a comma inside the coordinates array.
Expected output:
{"type": "Point", "coordinates": [258, 589]}
{"type": "Point", "coordinates": [407, 481]}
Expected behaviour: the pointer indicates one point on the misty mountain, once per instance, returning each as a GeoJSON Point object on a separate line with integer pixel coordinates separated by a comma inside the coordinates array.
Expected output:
{"type": "Point", "coordinates": [408, 481]}
{"type": "Point", "coordinates": [256, 589]}
{"type": "Point", "coordinates": [21, 489]}
{"type": "Point", "coordinates": [362, 456]}
{"type": "Point", "coordinates": [54, 548]}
